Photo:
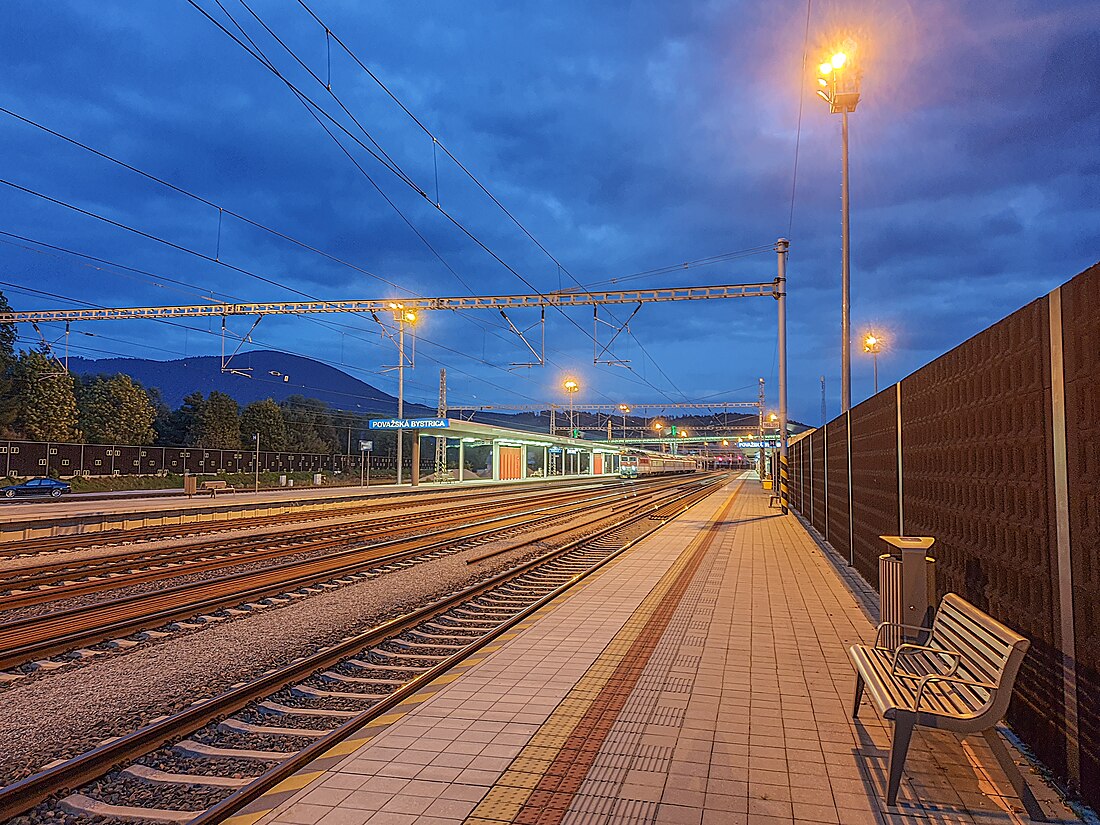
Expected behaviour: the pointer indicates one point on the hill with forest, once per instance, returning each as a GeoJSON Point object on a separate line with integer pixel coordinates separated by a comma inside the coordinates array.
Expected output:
{"type": "Point", "coordinates": [257, 375]}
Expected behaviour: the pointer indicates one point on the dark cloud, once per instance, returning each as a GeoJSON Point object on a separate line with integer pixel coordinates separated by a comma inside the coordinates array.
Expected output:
{"type": "Point", "coordinates": [624, 136]}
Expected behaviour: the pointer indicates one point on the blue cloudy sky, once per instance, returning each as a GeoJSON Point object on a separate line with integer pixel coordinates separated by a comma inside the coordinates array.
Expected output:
{"type": "Point", "coordinates": [624, 136]}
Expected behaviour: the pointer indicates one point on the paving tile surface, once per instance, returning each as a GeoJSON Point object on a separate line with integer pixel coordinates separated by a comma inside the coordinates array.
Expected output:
{"type": "Point", "coordinates": [711, 683]}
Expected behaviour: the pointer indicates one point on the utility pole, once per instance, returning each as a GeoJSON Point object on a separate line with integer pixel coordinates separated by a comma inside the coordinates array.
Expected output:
{"type": "Point", "coordinates": [441, 441]}
{"type": "Point", "coordinates": [760, 465]}
{"type": "Point", "coordinates": [845, 276]}
{"type": "Point", "coordinates": [781, 247]}
{"type": "Point", "coordinates": [404, 317]}
{"type": "Point", "coordinates": [257, 467]}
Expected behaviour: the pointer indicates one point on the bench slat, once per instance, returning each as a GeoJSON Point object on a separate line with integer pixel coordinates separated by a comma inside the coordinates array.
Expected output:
{"type": "Point", "coordinates": [983, 657]}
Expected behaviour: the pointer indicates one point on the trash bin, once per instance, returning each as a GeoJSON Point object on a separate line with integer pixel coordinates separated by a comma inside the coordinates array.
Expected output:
{"type": "Point", "coordinates": [907, 586]}
{"type": "Point", "coordinates": [190, 485]}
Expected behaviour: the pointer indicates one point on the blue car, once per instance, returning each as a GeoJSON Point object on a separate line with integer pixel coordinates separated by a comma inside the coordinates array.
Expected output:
{"type": "Point", "coordinates": [37, 487]}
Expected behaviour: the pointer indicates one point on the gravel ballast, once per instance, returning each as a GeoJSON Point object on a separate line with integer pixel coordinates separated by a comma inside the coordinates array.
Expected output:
{"type": "Point", "coordinates": [66, 712]}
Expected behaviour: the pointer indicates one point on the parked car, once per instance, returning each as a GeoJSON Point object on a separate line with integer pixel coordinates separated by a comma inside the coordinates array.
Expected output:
{"type": "Point", "coordinates": [37, 487]}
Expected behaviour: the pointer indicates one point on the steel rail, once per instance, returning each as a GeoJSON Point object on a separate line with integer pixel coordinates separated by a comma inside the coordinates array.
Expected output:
{"type": "Point", "coordinates": [24, 794]}
{"type": "Point", "coordinates": [148, 565]}
{"type": "Point", "coordinates": [25, 639]}
{"type": "Point", "coordinates": [166, 531]}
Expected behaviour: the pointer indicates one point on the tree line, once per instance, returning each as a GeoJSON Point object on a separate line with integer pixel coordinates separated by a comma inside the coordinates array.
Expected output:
{"type": "Point", "coordinates": [41, 401]}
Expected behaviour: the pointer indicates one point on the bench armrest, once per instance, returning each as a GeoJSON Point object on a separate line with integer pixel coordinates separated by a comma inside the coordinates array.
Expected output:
{"type": "Point", "coordinates": [885, 625]}
{"type": "Point", "coordinates": [927, 680]}
{"type": "Point", "coordinates": [905, 649]}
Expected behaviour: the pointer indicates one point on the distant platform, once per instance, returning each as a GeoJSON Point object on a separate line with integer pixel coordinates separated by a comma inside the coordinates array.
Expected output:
{"type": "Point", "coordinates": [31, 518]}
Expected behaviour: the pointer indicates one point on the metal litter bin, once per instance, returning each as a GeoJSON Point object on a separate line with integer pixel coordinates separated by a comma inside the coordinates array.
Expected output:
{"type": "Point", "coordinates": [907, 586]}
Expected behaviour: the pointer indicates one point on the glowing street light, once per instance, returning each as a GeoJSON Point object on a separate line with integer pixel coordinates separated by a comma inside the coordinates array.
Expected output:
{"type": "Point", "coordinates": [403, 317]}
{"type": "Point", "coordinates": [625, 410]}
{"type": "Point", "coordinates": [838, 79]}
{"type": "Point", "coordinates": [872, 343]}
{"type": "Point", "coordinates": [571, 386]}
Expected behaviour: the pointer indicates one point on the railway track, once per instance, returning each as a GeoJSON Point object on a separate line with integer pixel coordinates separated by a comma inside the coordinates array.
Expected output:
{"type": "Point", "coordinates": [269, 727]}
{"type": "Point", "coordinates": [164, 532]}
{"type": "Point", "coordinates": [36, 637]}
{"type": "Point", "coordinates": [53, 581]}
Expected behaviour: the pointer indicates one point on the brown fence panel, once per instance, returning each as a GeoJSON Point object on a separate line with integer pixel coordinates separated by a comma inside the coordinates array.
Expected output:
{"type": "Point", "coordinates": [794, 466]}
{"type": "Point", "coordinates": [874, 426]}
{"type": "Point", "coordinates": [836, 476]}
{"type": "Point", "coordinates": [977, 473]}
{"type": "Point", "coordinates": [1081, 334]}
{"type": "Point", "coordinates": [817, 481]}
{"type": "Point", "coordinates": [804, 477]}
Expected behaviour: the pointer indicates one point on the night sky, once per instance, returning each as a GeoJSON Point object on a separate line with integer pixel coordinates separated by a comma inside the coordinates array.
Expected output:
{"type": "Point", "coordinates": [624, 137]}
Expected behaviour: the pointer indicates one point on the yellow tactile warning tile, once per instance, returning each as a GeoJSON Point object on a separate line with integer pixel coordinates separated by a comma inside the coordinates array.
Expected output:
{"type": "Point", "coordinates": [271, 806]}
{"type": "Point", "coordinates": [546, 744]}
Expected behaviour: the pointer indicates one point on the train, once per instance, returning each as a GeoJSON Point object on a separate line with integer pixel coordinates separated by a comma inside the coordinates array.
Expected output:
{"type": "Point", "coordinates": [636, 466]}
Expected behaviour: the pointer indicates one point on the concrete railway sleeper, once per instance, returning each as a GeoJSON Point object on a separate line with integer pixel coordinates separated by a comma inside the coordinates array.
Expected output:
{"type": "Point", "coordinates": [40, 636]}
{"type": "Point", "coordinates": [56, 580]}
{"type": "Point", "coordinates": [285, 718]}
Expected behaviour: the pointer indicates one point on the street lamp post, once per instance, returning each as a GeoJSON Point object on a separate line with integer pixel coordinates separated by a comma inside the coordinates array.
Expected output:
{"type": "Point", "coordinates": [625, 410]}
{"type": "Point", "coordinates": [873, 344]}
{"type": "Point", "coordinates": [257, 468]}
{"type": "Point", "coordinates": [839, 82]}
{"type": "Point", "coordinates": [571, 386]}
{"type": "Point", "coordinates": [404, 317]}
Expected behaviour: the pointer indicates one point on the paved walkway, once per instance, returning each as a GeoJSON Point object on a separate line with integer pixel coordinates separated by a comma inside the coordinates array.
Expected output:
{"type": "Point", "coordinates": [702, 678]}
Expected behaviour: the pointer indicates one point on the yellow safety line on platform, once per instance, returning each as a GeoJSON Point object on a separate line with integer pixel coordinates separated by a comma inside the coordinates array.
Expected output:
{"type": "Point", "coordinates": [505, 800]}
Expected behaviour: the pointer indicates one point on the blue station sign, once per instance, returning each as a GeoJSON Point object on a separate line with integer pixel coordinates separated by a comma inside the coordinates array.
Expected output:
{"type": "Point", "coordinates": [408, 424]}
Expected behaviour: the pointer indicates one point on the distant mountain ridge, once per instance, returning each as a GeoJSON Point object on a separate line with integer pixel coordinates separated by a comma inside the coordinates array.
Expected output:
{"type": "Point", "coordinates": [269, 375]}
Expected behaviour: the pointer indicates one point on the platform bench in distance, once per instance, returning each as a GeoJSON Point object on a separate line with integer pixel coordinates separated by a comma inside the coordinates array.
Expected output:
{"type": "Point", "coordinates": [215, 487]}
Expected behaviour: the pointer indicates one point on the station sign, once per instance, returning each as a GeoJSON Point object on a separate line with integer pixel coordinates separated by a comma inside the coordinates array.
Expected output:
{"type": "Point", "coordinates": [408, 424]}
{"type": "Point", "coordinates": [756, 444]}
{"type": "Point", "coordinates": [366, 446]}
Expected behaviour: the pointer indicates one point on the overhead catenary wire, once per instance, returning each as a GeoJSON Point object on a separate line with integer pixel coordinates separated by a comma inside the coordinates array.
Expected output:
{"type": "Point", "coordinates": [223, 210]}
{"type": "Point", "coordinates": [237, 215]}
{"type": "Point", "coordinates": [798, 129]}
{"type": "Point", "coordinates": [477, 182]}
{"type": "Point", "coordinates": [400, 174]}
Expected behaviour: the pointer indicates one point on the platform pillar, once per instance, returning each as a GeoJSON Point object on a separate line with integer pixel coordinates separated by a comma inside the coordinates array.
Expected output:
{"type": "Point", "coordinates": [496, 461]}
{"type": "Point", "coordinates": [414, 475]}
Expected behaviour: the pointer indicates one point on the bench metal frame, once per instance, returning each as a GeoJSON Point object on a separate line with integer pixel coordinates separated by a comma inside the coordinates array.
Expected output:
{"type": "Point", "coordinates": [958, 676]}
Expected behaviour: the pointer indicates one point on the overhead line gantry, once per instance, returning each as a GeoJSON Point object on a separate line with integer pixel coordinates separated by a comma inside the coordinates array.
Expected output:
{"type": "Point", "coordinates": [776, 288]}
{"type": "Point", "coordinates": [563, 299]}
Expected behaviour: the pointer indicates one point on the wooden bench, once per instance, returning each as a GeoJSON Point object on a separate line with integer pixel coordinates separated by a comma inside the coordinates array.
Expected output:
{"type": "Point", "coordinates": [959, 679]}
{"type": "Point", "coordinates": [215, 487]}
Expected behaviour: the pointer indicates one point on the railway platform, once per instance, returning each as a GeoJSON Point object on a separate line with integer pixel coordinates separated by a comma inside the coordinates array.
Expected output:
{"type": "Point", "coordinates": [700, 678]}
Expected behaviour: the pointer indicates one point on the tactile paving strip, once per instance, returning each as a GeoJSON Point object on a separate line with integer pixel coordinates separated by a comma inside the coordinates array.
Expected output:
{"type": "Point", "coordinates": [543, 780]}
